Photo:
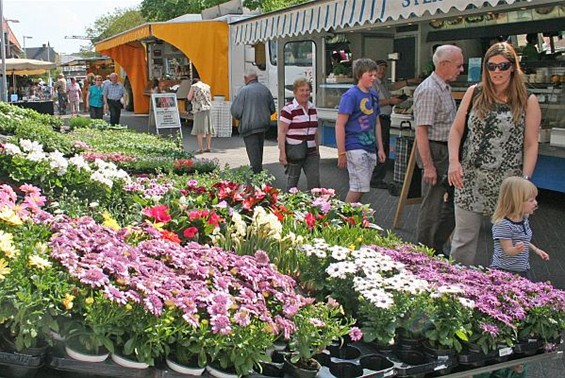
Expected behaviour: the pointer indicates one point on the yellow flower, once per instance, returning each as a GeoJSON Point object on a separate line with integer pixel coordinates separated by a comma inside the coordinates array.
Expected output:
{"type": "Point", "coordinates": [9, 216]}
{"type": "Point", "coordinates": [109, 221]}
{"type": "Point", "coordinates": [68, 301]}
{"type": "Point", "coordinates": [4, 270]}
{"type": "Point", "coordinates": [11, 252]}
{"type": "Point", "coordinates": [39, 262]}
{"type": "Point", "coordinates": [6, 245]}
{"type": "Point", "coordinates": [89, 300]}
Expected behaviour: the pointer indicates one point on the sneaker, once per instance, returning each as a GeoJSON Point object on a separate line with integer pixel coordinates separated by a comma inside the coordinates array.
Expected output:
{"type": "Point", "coordinates": [379, 185]}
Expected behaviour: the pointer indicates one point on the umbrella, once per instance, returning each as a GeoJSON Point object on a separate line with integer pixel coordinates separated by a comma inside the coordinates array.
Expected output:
{"type": "Point", "coordinates": [17, 66]}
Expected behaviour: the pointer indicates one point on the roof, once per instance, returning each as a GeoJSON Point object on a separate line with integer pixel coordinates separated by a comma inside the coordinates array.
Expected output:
{"type": "Point", "coordinates": [326, 15]}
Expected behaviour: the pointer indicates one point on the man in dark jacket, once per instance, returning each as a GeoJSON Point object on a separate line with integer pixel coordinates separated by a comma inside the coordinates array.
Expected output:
{"type": "Point", "coordinates": [253, 107]}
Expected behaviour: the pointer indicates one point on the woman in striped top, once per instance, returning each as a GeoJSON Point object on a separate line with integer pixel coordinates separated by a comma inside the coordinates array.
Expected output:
{"type": "Point", "coordinates": [298, 123]}
{"type": "Point", "coordinates": [511, 229]}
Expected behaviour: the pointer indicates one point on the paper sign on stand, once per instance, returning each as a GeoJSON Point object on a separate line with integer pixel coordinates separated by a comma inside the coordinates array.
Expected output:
{"type": "Point", "coordinates": [166, 111]}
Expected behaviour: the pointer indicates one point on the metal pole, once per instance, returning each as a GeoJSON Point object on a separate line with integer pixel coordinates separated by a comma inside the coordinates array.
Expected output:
{"type": "Point", "coordinates": [3, 47]}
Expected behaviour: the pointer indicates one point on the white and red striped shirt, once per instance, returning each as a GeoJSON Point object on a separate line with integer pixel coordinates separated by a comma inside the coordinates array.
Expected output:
{"type": "Point", "coordinates": [302, 123]}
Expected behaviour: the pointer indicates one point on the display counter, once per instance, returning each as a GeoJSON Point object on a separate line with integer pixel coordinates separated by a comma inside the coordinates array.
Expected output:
{"type": "Point", "coordinates": [43, 107]}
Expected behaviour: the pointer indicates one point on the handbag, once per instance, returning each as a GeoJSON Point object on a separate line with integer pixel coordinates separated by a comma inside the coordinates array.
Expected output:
{"type": "Point", "coordinates": [296, 152]}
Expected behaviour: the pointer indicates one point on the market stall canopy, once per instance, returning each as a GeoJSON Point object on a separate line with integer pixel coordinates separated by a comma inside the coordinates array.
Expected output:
{"type": "Point", "coordinates": [207, 48]}
{"type": "Point", "coordinates": [326, 15]}
{"type": "Point", "coordinates": [16, 66]}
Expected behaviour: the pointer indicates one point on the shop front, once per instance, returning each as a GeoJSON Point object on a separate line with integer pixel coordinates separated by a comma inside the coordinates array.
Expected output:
{"type": "Point", "coordinates": [404, 34]}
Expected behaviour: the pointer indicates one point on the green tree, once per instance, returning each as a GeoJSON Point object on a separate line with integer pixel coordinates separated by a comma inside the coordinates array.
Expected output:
{"type": "Point", "coordinates": [164, 10]}
{"type": "Point", "coordinates": [115, 23]}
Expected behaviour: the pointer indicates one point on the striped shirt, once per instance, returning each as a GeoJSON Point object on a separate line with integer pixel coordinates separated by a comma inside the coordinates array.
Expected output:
{"type": "Point", "coordinates": [517, 232]}
{"type": "Point", "coordinates": [302, 123]}
{"type": "Point", "coordinates": [434, 106]}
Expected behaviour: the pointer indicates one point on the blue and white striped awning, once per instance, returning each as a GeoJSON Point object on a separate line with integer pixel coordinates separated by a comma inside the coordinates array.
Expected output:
{"type": "Point", "coordinates": [323, 15]}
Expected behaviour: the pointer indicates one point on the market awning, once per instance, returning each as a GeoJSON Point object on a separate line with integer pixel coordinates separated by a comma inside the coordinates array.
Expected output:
{"type": "Point", "coordinates": [316, 16]}
{"type": "Point", "coordinates": [205, 43]}
{"type": "Point", "coordinates": [135, 34]}
{"type": "Point", "coordinates": [16, 66]}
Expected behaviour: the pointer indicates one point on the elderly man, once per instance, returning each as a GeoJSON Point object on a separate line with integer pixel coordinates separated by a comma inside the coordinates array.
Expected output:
{"type": "Point", "coordinates": [114, 98]}
{"type": "Point", "coordinates": [434, 112]}
{"type": "Point", "coordinates": [253, 107]}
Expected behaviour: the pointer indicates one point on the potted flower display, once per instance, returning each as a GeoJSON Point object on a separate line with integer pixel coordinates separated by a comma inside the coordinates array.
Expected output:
{"type": "Point", "coordinates": [317, 326]}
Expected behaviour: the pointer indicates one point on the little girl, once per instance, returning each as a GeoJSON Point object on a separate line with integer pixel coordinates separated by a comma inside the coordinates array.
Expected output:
{"type": "Point", "coordinates": [511, 228]}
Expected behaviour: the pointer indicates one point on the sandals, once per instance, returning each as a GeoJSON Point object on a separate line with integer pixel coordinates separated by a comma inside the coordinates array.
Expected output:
{"type": "Point", "coordinates": [207, 150]}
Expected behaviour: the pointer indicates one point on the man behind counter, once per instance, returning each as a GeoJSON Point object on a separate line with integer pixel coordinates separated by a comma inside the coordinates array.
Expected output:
{"type": "Point", "coordinates": [386, 102]}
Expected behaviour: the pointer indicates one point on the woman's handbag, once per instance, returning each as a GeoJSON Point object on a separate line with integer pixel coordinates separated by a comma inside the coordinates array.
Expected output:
{"type": "Point", "coordinates": [296, 152]}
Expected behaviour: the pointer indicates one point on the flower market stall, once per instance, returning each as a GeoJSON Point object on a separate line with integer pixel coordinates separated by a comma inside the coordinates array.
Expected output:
{"type": "Point", "coordinates": [104, 261]}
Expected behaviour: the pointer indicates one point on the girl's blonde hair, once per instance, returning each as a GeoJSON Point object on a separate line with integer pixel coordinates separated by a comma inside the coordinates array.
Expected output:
{"type": "Point", "coordinates": [516, 91]}
{"type": "Point", "coordinates": [514, 191]}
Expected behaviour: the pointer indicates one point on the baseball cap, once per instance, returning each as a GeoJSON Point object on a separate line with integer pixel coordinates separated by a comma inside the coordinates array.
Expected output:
{"type": "Point", "coordinates": [381, 62]}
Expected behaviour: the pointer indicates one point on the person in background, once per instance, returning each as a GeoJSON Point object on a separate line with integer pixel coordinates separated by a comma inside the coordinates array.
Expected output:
{"type": "Point", "coordinates": [434, 111]}
{"type": "Point", "coordinates": [95, 99]}
{"type": "Point", "coordinates": [502, 141]}
{"type": "Point", "coordinates": [201, 98]}
{"type": "Point", "coordinates": [386, 101]}
{"type": "Point", "coordinates": [298, 123]}
{"type": "Point", "coordinates": [60, 87]}
{"type": "Point", "coordinates": [429, 67]}
{"type": "Point", "coordinates": [530, 51]}
{"type": "Point", "coordinates": [74, 94]}
{"type": "Point", "coordinates": [511, 228]}
{"type": "Point", "coordinates": [253, 107]}
{"type": "Point", "coordinates": [114, 98]}
{"type": "Point", "coordinates": [358, 130]}
{"type": "Point", "coordinates": [88, 81]}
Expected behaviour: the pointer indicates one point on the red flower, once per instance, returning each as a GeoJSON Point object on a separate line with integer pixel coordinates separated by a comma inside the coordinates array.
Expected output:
{"type": "Point", "coordinates": [214, 219]}
{"type": "Point", "coordinates": [190, 232]}
{"type": "Point", "coordinates": [170, 236]}
{"type": "Point", "coordinates": [160, 213]}
{"type": "Point", "coordinates": [310, 220]}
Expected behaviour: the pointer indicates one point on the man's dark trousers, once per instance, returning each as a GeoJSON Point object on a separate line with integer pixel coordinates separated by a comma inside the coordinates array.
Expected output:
{"type": "Point", "coordinates": [379, 173]}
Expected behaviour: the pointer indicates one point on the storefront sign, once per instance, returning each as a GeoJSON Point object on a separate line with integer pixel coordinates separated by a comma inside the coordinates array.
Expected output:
{"type": "Point", "coordinates": [165, 111]}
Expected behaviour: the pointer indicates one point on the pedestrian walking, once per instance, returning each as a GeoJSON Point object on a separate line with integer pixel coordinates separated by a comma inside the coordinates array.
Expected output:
{"type": "Point", "coordinates": [358, 130]}
{"type": "Point", "coordinates": [298, 137]}
{"type": "Point", "coordinates": [200, 97]}
{"type": "Point", "coordinates": [95, 99]}
{"type": "Point", "coordinates": [74, 94]}
{"type": "Point", "coordinates": [502, 141]}
{"type": "Point", "coordinates": [253, 107]}
{"type": "Point", "coordinates": [434, 112]}
{"type": "Point", "coordinates": [60, 87]}
{"type": "Point", "coordinates": [114, 98]}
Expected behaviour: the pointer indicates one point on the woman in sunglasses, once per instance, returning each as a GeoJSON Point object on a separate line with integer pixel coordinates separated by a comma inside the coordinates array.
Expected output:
{"type": "Point", "coordinates": [502, 140]}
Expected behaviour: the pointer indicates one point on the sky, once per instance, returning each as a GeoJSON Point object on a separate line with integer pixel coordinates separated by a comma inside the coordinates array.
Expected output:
{"type": "Point", "coordinates": [49, 21]}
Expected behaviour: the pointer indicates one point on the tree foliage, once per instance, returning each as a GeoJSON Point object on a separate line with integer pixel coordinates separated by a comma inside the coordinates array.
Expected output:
{"type": "Point", "coordinates": [164, 10]}
{"type": "Point", "coordinates": [114, 23]}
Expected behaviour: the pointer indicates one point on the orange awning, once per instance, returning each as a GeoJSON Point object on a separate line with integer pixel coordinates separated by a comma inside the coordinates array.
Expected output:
{"type": "Point", "coordinates": [205, 43]}
{"type": "Point", "coordinates": [135, 34]}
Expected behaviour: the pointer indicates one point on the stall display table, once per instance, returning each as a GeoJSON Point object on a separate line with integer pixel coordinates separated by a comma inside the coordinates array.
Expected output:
{"type": "Point", "coordinates": [43, 107]}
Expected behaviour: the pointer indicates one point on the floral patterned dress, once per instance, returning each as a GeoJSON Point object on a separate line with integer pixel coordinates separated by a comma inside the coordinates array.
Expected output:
{"type": "Point", "coordinates": [494, 150]}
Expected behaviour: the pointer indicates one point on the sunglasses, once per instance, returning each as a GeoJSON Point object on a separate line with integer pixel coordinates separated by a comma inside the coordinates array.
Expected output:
{"type": "Point", "coordinates": [504, 66]}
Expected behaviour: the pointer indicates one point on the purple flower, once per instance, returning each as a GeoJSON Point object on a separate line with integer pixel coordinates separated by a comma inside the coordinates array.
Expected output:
{"type": "Point", "coordinates": [356, 334]}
